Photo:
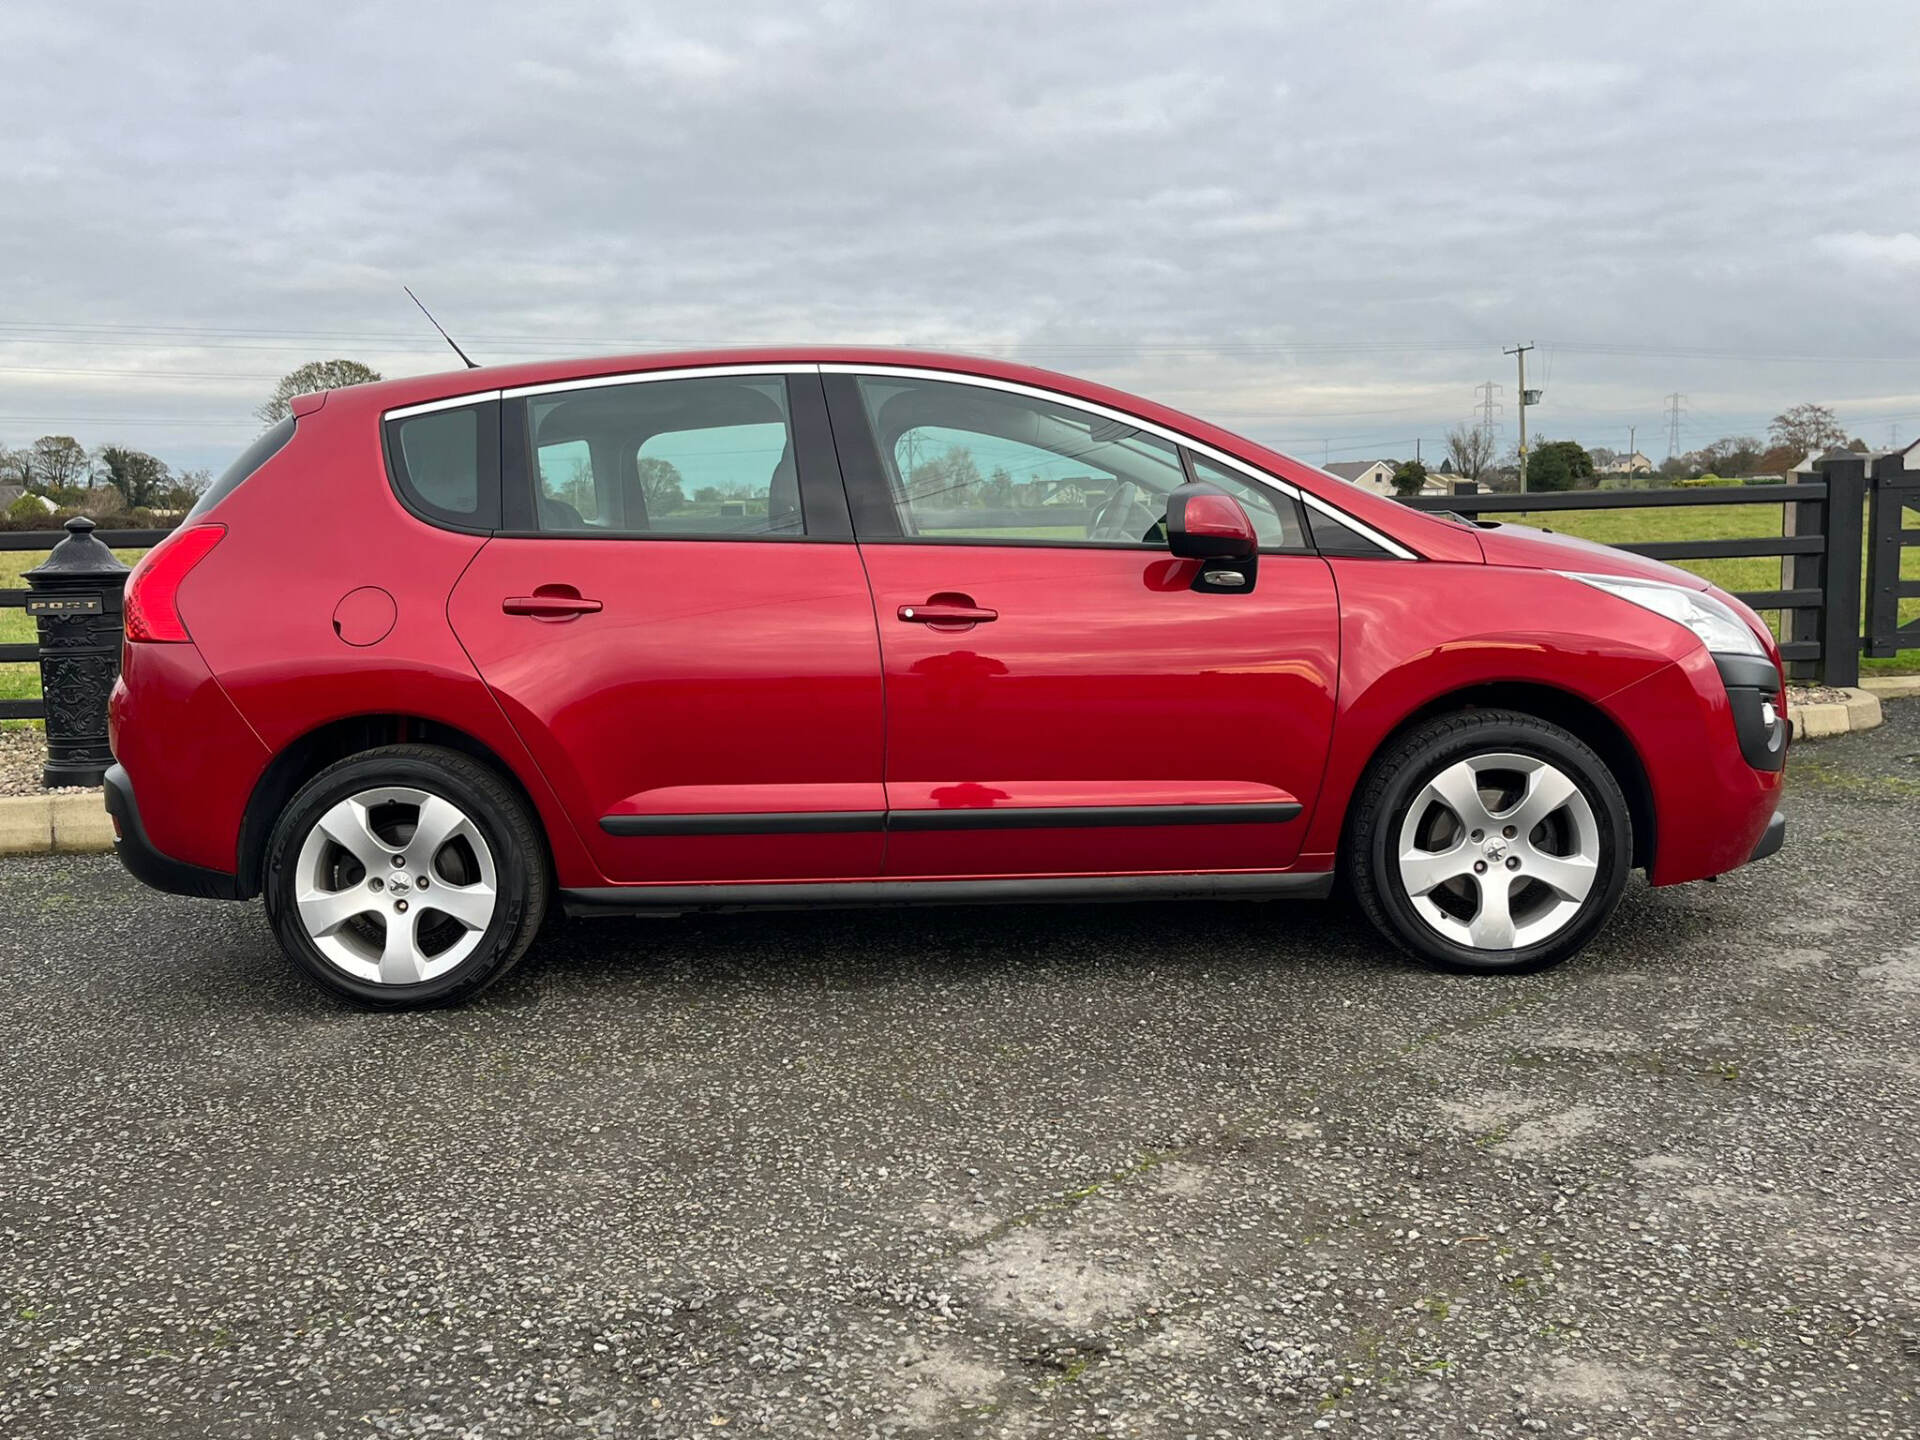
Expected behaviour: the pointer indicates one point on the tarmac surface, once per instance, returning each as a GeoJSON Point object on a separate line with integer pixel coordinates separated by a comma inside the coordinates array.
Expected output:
{"type": "Point", "coordinates": [1153, 1170]}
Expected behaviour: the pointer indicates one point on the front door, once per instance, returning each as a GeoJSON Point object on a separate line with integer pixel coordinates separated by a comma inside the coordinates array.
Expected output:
{"type": "Point", "coordinates": [1060, 700]}
{"type": "Point", "coordinates": [679, 627]}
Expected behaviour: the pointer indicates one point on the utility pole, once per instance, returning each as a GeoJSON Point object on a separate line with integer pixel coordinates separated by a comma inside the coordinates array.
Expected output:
{"type": "Point", "coordinates": [1675, 402]}
{"type": "Point", "coordinates": [1632, 449]}
{"type": "Point", "coordinates": [1527, 397]}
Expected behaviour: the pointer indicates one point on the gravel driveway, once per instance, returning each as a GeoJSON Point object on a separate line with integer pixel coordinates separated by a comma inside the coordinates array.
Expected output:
{"type": "Point", "coordinates": [1200, 1171]}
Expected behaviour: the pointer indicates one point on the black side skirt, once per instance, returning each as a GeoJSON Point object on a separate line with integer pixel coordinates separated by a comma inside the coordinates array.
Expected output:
{"type": "Point", "coordinates": [677, 899]}
{"type": "Point", "coordinates": [1026, 817]}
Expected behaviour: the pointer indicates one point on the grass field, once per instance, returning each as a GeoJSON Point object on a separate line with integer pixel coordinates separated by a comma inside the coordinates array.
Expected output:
{"type": "Point", "coordinates": [22, 682]}
{"type": "Point", "coordinates": [1714, 522]}
{"type": "Point", "coordinates": [1695, 522]}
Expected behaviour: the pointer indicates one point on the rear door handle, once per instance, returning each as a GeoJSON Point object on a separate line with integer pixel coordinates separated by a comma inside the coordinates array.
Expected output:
{"type": "Point", "coordinates": [941, 612]}
{"type": "Point", "coordinates": [550, 602]}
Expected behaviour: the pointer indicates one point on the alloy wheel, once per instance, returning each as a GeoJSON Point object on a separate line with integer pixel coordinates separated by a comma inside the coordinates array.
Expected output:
{"type": "Point", "coordinates": [1499, 851]}
{"type": "Point", "coordinates": [395, 885]}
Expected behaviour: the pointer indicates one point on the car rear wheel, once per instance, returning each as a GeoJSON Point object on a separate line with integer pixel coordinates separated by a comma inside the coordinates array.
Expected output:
{"type": "Point", "coordinates": [1490, 841]}
{"type": "Point", "coordinates": [406, 876]}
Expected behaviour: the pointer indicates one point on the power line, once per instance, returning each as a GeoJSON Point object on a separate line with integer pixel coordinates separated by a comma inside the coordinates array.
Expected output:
{"type": "Point", "coordinates": [103, 333]}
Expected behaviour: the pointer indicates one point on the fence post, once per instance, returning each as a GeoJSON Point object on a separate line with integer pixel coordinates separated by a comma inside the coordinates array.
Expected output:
{"type": "Point", "coordinates": [1846, 477]}
{"type": "Point", "coordinates": [77, 595]}
{"type": "Point", "coordinates": [1890, 491]}
{"type": "Point", "coordinates": [1801, 572]}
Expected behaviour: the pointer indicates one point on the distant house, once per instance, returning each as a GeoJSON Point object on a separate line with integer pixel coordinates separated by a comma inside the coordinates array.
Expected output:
{"type": "Point", "coordinates": [1377, 476]}
{"type": "Point", "coordinates": [10, 496]}
{"type": "Point", "coordinates": [1634, 464]}
{"type": "Point", "coordinates": [1374, 475]}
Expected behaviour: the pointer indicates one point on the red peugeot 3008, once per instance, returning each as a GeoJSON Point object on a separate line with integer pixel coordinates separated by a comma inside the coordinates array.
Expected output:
{"type": "Point", "coordinates": [833, 626]}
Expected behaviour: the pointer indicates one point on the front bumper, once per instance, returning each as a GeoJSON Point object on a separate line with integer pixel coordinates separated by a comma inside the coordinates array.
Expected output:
{"type": "Point", "coordinates": [146, 863]}
{"type": "Point", "coordinates": [1753, 692]}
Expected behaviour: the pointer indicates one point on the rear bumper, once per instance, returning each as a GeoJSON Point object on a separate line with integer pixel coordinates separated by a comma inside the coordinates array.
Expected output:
{"type": "Point", "coordinates": [145, 862]}
{"type": "Point", "coordinates": [1771, 839]}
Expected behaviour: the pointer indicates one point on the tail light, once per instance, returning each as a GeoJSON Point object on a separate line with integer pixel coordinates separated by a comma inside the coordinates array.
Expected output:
{"type": "Point", "coordinates": [153, 589]}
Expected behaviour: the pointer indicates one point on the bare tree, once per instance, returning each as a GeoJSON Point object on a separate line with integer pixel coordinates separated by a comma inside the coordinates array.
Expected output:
{"type": "Point", "coordinates": [1470, 447]}
{"type": "Point", "coordinates": [59, 462]}
{"type": "Point", "coordinates": [312, 376]}
{"type": "Point", "coordinates": [1809, 429]}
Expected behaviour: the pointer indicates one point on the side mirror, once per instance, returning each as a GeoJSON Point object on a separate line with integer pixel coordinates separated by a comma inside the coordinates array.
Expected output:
{"type": "Point", "coordinates": [1208, 524]}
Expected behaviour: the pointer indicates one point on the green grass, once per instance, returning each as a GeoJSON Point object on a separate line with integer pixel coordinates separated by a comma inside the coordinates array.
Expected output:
{"type": "Point", "coordinates": [1613, 527]}
{"type": "Point", "coordinates": [22, 682]}
{"type": "Point", "coordinates": [1715, 522]}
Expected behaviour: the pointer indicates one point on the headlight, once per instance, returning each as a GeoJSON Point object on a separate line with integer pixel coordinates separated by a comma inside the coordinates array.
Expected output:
{"type": "Point", "coordinates": [1718, 627]}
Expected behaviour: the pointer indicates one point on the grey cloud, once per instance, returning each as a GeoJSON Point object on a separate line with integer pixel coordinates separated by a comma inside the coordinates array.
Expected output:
{"type": "Point", "coordinates": [1165, 197]}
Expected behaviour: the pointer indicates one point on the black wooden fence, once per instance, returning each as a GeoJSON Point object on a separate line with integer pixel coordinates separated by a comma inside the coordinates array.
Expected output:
{"type": "Point", "coordinates": [1853, 513]}
{"type": "Point", "coordinates": [1819, 533]}
{"type": "Point", "coordinates": [1891, 532]}
{"type": "Point", "coordinates": [29, 652]}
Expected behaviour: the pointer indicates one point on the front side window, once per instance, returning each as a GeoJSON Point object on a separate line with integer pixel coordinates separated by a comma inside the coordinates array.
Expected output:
{"type": "Point", "coordinates": [700, 458]}
{"type": "Point", "coordinates": [968, 463]}
{"type": "Point", "coordinates": [1276, 518]}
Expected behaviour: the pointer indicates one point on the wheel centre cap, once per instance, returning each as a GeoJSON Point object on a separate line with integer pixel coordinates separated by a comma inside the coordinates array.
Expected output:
{"type": "Point", "coordinates": [1496, 849]}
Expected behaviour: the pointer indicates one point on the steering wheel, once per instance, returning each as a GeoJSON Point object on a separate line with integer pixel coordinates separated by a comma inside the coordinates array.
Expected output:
{"type": "Point", "coordinates": [1112, 521]}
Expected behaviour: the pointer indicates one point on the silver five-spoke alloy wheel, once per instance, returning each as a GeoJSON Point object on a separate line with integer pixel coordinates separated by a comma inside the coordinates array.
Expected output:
{"type": "Point", "coordinates": [395, 886]}
{"type": "Point", "coordinates": [1499, 851]}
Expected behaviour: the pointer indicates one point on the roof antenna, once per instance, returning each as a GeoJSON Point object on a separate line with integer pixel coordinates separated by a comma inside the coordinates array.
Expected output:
{"type": "Point", "coordinates": [436, 325]}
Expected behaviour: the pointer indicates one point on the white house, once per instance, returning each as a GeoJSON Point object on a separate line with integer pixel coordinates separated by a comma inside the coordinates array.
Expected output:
{"type": "Point", "coordinates": [1374, 475]}
{"type": "Point", "coordinates": [1634, 464]}
{"type": "Point", "coordinates": [1377, 476]}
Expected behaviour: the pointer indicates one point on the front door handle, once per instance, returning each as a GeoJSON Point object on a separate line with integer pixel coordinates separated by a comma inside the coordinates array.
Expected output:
{"type": "Point", "coordinates": [550, 602]}
{"type": "Point", "coordinates": [947, 612]}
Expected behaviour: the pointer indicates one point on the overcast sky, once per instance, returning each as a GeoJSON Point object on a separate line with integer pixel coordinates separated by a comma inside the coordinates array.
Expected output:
{"type": "Point", "coordinates": [1316, 223]}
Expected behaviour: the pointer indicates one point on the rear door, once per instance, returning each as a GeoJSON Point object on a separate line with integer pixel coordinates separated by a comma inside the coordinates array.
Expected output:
{"type": "Point", "coordinates": [677, 622]}
{"type": "Point", "coordinates": [1060, 699]}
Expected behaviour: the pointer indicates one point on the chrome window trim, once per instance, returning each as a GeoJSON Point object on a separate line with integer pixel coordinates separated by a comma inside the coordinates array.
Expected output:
{"type": "Point", "coordinates": [594, 382]}
{"type": "Point", "coordinates": [914, 372]}
{"type": "Point", "coordinates": [452, 402]}
{"type": "Point", "coordinates": [1273, 482]}
{"type": "Point", "coordinates": [644, 377]}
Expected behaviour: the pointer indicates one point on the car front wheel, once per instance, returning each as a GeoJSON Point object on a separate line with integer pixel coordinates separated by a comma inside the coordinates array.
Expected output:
{"type": "Point", "coordinates": [406, 876]}
{"type": "Point", "coordinates": [1490, 841]}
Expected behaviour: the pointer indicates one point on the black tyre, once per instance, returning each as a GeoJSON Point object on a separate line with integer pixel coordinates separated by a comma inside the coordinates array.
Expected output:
{"type": "Point", "coordinates": [1489, 841]}
{"type": "Point", "coordinates": [406, 876]}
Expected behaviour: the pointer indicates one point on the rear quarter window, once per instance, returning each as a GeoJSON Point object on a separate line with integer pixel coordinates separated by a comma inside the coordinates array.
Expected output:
{"type": "Point", "coordinates": [445, 465]}
{"type": "Point", "coordinates": [270, 443]}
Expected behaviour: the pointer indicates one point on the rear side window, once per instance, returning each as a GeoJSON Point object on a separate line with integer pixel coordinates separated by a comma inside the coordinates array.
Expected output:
{"type": "Point", "coordinates": [446, 465]}
{"type": "Point", "coordinates": [271, 442]}
{"type": "Point", "coordinates": [702, 458]}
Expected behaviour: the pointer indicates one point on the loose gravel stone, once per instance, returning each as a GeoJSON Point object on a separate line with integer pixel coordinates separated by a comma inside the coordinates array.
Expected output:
{"type": "Point", "coordinates": [1153, 1171]}
{"type": "Point", "coordinates": [23, 757]}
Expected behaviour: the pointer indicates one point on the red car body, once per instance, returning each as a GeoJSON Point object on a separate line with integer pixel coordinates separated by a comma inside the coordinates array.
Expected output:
{"type": "Point", "coordinates": [708, 678]}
